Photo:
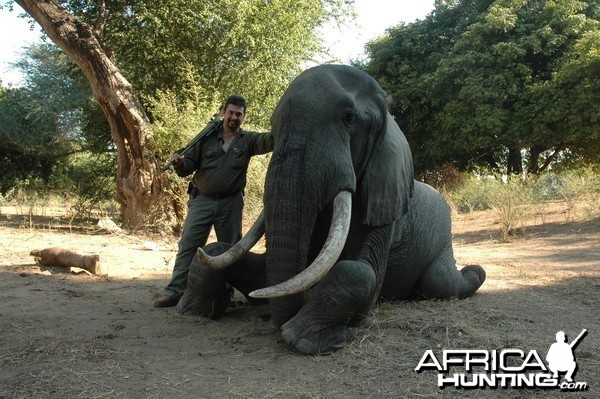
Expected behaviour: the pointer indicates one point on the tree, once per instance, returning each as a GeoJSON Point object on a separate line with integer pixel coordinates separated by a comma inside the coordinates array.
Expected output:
{"type": "Point", "coordinates": [139, 182]}
{"type": "Point", "coordinates": [207, 50]}
{"type": "Point", "coordinates": [55, 80]}
{"type": "Point", "coordinates": [567, 114]}
{"type": "Point", "coordinates": [199, 50]}
{"type": "Point", "coordinates": [405, 60]}
{"type": "Point", "coordinates": [38, 122]}
{"type": "Point", "coordinates": [498, 86]}
{"type": "Point", "coordinates": [23, 156]}
{"type": "Point", "coordinates": [48, 119]}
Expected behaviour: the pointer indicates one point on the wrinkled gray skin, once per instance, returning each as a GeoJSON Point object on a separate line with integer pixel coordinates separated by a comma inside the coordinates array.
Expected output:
{"type": "Point", "coordinates": [332, 133]}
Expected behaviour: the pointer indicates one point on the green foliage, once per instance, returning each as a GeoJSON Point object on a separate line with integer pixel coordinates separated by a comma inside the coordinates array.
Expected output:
{"type": "Point", "coordinates": [184, 58]}
{"type": "Point", "coordinates": [176, 122]}
{"type": "Point", "coordinates": [496, 84]}
{"type": "Point", "coordinates": [89, 184]}
{"type": "Point", "coordinates": [26, 194]}
{"type": "Point", "coordinates": [470, 196]}
{"type": "Point", "coordinates": [255, 186]}
{"type": "Point", "coordinates": [25, 152]}
{"type": "Point", "coordinates": [203, 51]}
{"type": "Point", "coordinates": [92, 176]}
{"type": "Point", "coordinates": [85, 182]}
{"type": "Point", "coordinates": [59, 87]}
{"type": "Point", "coordinates": [45, 121]}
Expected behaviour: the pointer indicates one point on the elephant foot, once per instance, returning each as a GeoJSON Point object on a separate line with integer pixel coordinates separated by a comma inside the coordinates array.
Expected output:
{"type": "Point", "coordinates": [475, 276]}
{"type": "Point", "coordinates": [314, 336]}
{"type": "Point", "coordinates": [341, 297]}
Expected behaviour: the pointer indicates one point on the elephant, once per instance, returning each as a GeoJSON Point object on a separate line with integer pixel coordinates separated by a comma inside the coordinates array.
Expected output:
{"type": "Point", "coordinates": [345, 222]}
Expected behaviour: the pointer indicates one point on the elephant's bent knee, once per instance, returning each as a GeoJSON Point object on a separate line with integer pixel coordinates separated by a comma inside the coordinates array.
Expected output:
{"type": "Point", "coordinates": [355, 277]}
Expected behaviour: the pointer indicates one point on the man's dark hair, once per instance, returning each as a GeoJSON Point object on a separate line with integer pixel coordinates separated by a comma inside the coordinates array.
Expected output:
{"type": "Point", "coordinates": [236, 100]}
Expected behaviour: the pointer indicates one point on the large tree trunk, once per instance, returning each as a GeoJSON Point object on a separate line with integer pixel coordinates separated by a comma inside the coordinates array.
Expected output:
{"type": "Point", "coordinates": [534, 154]}
{"type": "Point", "coordinates": [139, 181]}
{"type": "Point", "coordinates": [514, 162]}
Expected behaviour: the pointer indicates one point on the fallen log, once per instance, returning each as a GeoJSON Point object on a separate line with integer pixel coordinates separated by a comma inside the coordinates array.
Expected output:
{"type": "Point", "coordinates": [66, 258]}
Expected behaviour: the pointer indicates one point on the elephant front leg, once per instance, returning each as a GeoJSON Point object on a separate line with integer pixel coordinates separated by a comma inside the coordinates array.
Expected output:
{"type": "Point", "coordinates": [345, 294]}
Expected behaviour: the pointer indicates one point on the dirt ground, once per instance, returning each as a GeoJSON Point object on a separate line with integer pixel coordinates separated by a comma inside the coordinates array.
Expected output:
{"type": "Point", "coordinates": [69, 334]}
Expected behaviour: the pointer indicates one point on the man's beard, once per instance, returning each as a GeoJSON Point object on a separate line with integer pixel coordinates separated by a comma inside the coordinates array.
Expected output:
{"type": "Point", "coordinates": [233, 125]}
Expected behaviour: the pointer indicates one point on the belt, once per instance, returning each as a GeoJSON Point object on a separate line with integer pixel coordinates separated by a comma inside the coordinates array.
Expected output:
{"type": "Point", "coordinates": [216, 196]}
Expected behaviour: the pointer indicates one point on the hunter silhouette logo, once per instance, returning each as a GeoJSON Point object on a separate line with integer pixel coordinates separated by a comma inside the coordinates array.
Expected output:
{"type": "Point", "coordinates": [507, 368]}
{"type": "Point", "coordinates": [560, 355]}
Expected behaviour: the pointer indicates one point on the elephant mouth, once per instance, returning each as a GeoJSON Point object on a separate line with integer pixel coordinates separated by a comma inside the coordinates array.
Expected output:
{"type": "Point", "coordinates": [323, 263]}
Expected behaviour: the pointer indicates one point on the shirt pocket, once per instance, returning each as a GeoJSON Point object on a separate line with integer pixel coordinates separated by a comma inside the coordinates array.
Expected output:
{"type": "Point", "coordinates": [210, 159]}
{"type": "Point", "coordinates": [239, 157]}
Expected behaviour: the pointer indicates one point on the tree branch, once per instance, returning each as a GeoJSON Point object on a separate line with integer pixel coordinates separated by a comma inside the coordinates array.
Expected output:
{"type": "Point", "coordinates": [552, 157]}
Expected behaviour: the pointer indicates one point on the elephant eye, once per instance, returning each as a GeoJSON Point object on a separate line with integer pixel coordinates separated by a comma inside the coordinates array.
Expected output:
{"type": "Point", "coordinates": [349, 117]}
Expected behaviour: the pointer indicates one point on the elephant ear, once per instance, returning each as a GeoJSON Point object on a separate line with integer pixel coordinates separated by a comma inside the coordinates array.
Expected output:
{"type": "Point", "coordinates": [389, 179]}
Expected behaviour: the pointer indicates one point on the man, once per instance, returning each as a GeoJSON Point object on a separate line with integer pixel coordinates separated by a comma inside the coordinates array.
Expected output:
{"type": "Point", "coordinates": [220, 162]}
{"type": "Point", "coordinates": [560, 357]}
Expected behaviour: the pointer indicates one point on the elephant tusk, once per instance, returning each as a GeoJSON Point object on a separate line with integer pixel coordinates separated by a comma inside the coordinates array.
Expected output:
{"type": "Point", "coordinates": [330, 253]}
{"type": "Point", "coordinates": [238, 250]}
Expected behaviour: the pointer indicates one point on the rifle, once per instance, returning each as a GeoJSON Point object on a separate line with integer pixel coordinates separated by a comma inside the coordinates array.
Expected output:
{"type": "Point", "coordinates": [576, 340]}
{"type": "Point", "coordinates": [213, 126]}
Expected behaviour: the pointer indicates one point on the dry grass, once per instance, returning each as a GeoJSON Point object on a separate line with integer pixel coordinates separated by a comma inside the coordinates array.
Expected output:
{"type": "Point", "coordinates": [68, 336]}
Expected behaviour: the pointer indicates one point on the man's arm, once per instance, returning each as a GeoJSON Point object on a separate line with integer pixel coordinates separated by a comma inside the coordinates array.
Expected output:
{"type": "Point", "coordinates": [262, 143]}
{"type": "Point", "coordinates": [185, 166]}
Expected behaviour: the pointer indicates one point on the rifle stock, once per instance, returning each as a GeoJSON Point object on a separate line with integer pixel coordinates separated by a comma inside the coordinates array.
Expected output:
{"type": "Point", "coordinates": [213, 126]}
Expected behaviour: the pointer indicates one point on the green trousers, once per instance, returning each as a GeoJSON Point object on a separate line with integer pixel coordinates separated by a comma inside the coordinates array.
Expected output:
{"type": "Point", "coordinates": [225, 214]}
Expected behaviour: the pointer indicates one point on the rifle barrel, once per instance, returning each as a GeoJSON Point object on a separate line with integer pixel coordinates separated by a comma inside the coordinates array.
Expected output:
{"type": "Point", "coordinates": [576, 340]}
{"type": "Point", "coordinates": [211, 127]}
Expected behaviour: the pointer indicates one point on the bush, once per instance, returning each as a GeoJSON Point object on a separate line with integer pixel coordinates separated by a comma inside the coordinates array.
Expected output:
{"type": "Point", "coordinates": [470, 196]}
{"type": "Point", "coordinates": [513, 202]}
{"type": "Point", "coordinates": [510, 200]}
{"type": "Point", "coordinates": [446, 178]}
{"type": "Point", "coordinates": [580, 189]}
{"type": "Point", "coordinates": [86, 185]}
{"type": "Point", "coordinates": [255, 187]}
{"type": "Point", "coordinates": [25, 195]}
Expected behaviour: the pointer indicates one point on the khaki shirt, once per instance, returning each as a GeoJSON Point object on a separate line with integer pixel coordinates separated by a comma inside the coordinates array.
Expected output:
{"type": "Point", "coordinates": [220, 173]}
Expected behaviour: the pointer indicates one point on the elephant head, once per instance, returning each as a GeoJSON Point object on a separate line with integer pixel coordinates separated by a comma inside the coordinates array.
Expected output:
{"type": "Point", "coordinates": [333, 134]}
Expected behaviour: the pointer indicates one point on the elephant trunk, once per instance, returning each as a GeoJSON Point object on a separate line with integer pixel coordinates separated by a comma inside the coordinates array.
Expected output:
{"type": "Point", "coordinates": [289, 220]}
{"type": "Point", "coordinates": [285, 253]}
{"type": "Point", "coordinates": [304, 175]}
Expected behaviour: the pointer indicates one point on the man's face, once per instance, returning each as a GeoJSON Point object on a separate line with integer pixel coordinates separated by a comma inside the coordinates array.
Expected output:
{"type": "Point", "coordinates": [233, 116]}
